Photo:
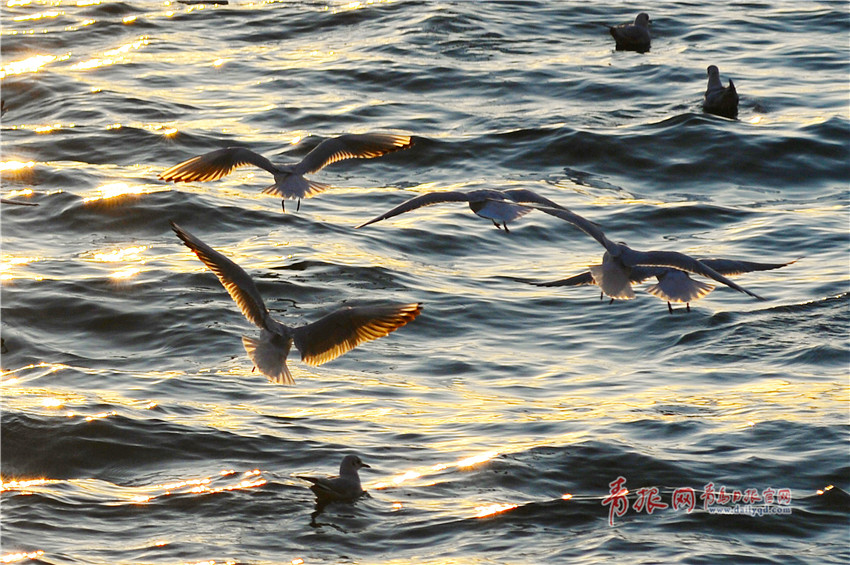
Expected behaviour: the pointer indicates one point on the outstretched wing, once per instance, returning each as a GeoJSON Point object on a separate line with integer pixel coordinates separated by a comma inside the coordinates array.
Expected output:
{"type": "Point", "coordinates": [585, 225]}
{"type": "Point", "coordinates": [636, 275]}
{"type": "Point", "coordinates": [234, 279]}
{"type": "Point", "coordinates": [351, 146]}
{"type": "Point", "coordinates": [679, 261]}
{"type": "Point", "coordinates": [420, 201]}
{"type": "Point", "coordinates": [525, 196]}
{"type": "Point", "coordinates": [731, 267]}
{"type": "Point", "coordinates": [582, 279]}
{"type": "Point", "coordinates": [215, 165]}
{"type": "Point", "coordinates": [343, 330]}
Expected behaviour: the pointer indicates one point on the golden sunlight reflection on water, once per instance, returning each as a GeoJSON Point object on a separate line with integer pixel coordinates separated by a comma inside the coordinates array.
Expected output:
{"type": "Point", "coordinates": [118, 495]}
{"type": "Point", "coordinates": [31, 64]}
{"type": "Point", "coordinates": [411, 475]}
{"type": "Point", "coordinates": [492, 509]}
{"type": "Point", "coordinates": [114, 192]}
{"type": "Point", "coordinates": [21, 556]}
{"type": "Point", "coordinates": [14, 166]}
{"type": "Point", "coordinates": [119, 55]}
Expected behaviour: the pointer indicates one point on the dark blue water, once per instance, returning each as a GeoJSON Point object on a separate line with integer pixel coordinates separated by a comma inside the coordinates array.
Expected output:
{"type": "Point", "coordinates": [133, 429]}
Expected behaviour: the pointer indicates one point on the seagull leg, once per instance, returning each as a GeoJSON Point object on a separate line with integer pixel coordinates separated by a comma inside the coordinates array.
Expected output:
{"type": "Point", "coordinates": [612, 302]}
{"type": "Point", "coordinates": [298, 207]}
{"type": "Point", "coordinates": [495, 223]}
{"type": "Point", "coordinates": [283, 205]}
{"type": "Point", "coordinates": [506, 227]}
{"type": "Point", "coordinates": [601, 295]}
{"type": "Point", "coordinates": [670, 307]}
{"type": "Point", "coordinates": [688, 306]}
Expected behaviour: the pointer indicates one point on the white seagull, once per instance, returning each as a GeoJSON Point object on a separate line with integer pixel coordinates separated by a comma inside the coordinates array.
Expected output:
{"type": "Point", "coordinates": [289, 181]}
{"type": "Point", "coordinates": [319, 342]}
{"type": "Point", "coordinates": [613, 276]}
{"type": "Point", "coordinates": [633, 37]}
{"type": "Point", "coordinates": [719, 99]}
{"type": "Point", "coordinates": [499, 206]}
{"type": "Point", "coordinates": [674, 285]}
{"type": "Point", "coordinates": [344, 487]}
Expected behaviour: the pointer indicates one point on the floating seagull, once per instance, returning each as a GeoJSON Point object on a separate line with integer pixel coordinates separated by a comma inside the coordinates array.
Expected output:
{"type": "Point", "coordinates": [289, 181]}
{"type": "Point", "coordinates": [319, 342]}
{"type": "Point", "coordinates": [675, 285]}
{"type": "Point", "coordinates": [720, 100]}
{"type": "Point", "coordinates": [613, 276]}
{"type": "Point", "coordinates": [495, 205]}
{"type": "Point", "coordinates": [633, 37]}
{"type": "Point", "coordinates": [344, 487]}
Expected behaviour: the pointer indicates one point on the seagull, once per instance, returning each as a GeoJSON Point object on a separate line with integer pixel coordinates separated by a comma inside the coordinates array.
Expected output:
{"type": "Point", "coordinates": [344, 487]}
{"type": "Point", "coordinates": [675, 285]}
{"type": "Point", "coordinates": [613, 276]}
{"type": "Point", "coordinates": [720, 100]}
{"type": "Point", "coordinates": [319, 342]}
{"type": "Point", "coordinates": [495, 205]}
{"type": "Point", "coordinates": [289, 181]}
{"type": "Point", "coordinates": [633, 37]}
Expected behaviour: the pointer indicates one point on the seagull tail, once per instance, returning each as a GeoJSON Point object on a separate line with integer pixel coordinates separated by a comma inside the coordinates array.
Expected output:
{"type": "Point", "coordinates": [681, 293]}
{"type": "Point", "coordinates": [269, 359]}
{"type": "Point", "coordinates": [294, 187]}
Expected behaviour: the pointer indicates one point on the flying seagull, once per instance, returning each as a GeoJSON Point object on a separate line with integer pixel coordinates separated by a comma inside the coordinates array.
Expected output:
{"type": "Point", "coordinates": [319, 342]}
{"type": "Point", "coordinates": [499, 206]}
{"type": "Point", "coordinates": [613, 276]}
{"type": "Point", "coordinates": [289, 181]}
{"type": "Point", "coordinates": [633, 37]}
{"type": "Point", "coordinates": [674, 285]}
{"type": "Point", "coordinates": [344, 487]}
{"type": "Point", "coordinates": [719, 99]}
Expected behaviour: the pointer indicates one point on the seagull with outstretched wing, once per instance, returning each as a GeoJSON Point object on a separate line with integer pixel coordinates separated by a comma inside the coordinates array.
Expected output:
{"type": "Point", "coordinates": [674, 285]}
{"type": "Point", "coordinates": [499, 206]}
{"type": "Point", "coordinates": [613, 276]}
{"type": "Point", "coordinates": [319, 342]}
{"type": "Point", "coordinates": [289, 181]}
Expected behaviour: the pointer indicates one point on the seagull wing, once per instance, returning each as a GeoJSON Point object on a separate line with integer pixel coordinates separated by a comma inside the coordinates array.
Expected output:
{"type": "Point", "coordinates": [632, 258]}
{"type": "Point", "coordinates": [629, 32]}
{"type": "Point", "coordinates": [343, 330]}
{"type": "Point", "coordinates": [351, 146]}
{"type": "Point", "coordinates": [215, 165]}
{"type": "Point", "coordinates": [581, 279]}
{"type": "Point", "coordinates": [731, 267]}
{"type": "Point", "coordinates": [585, 225]}
{"type": "Point", "coordinates": [333, 487]}
{"type": "Point", "coordinates": [234, 279]}
{"type": "Point", "coordinates": [524, 196]}
{"type": "Point", "coordinates": [420, 201]}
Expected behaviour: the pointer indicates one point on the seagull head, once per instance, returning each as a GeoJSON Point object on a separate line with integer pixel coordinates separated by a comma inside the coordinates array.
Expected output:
{"type": "Point", "coordinates": [351, 464]}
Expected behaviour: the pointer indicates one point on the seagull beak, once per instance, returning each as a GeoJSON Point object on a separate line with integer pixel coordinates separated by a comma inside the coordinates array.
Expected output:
{"type": "Point", "coordinates": [365, 465]}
